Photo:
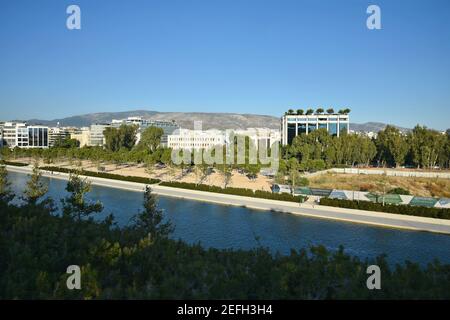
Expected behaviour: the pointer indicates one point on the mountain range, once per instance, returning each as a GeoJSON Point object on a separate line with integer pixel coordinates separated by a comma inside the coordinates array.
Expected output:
{"type": "Point", "coordinates": [186, 120]}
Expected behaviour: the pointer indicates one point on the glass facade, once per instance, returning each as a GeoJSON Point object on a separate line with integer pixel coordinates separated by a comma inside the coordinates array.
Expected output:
{"type": "Point", "coordinates": [312, 127]}
{"type": "Point", "coordinates": [301, 128]}
{"type": "Point", "coordinates": [343, 127]}
{"type": "Point", "coordinates": [291, 132]}
{"type": "Point", "coordinates": [37, 137]}
{"type": "Point", "coordinates": [332, 129]}
{"type": "Point", "coordinates": [292, 126]}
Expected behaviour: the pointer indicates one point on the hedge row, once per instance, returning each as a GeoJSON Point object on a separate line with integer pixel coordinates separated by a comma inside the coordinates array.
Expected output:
{"type": "Point", "coordinates": [17, 164]}
{"type": "Point", "coordinates": [439, 213]}
{"type": "Point", "coordinates": [103, 175]}
{"type": "Point", "coordinates": [236, 191]}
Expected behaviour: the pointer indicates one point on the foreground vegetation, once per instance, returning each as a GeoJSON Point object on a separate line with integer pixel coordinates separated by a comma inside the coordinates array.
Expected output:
{"type": "Point", "coordinates": [141, 262]}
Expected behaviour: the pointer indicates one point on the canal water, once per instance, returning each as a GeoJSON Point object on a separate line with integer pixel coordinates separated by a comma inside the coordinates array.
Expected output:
{"type": "Point", "coordinates": [221, 226]}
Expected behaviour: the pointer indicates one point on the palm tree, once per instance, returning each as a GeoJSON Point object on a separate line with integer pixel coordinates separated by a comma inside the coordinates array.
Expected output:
{"type": "Point", "coordinates": [330, 111]}
{"type": "Point", "coordinates": [309, 111]}
{"type": "Point", "coordinates": [290, 111]}
{"type": "Point", "coordinates": [341, 111]}
{"type": "Point", "coordinates": [319, 110]}
{"type": "Point", "coordinates": [300, 112]}
{"type": "Point", "coordinates": [347, 111]}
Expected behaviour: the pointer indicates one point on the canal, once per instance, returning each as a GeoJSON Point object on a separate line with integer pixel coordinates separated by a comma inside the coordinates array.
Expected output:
{"type": "Point", "coordinates": [221, 226]}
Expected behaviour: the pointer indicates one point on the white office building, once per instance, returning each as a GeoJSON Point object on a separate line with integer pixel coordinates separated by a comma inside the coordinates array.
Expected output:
{"type": "Point", "coordinates": [19, 134]}
{"type": "Point", "coordinates": [260, 136]}
{"type": "Point", "coordinates": [195, 139]}
{"type": "Point", "coordinates": [293, 125]}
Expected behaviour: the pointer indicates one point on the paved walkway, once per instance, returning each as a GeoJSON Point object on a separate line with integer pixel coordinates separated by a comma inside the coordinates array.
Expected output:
{"type": "Point", "coordinates": [305, 209]}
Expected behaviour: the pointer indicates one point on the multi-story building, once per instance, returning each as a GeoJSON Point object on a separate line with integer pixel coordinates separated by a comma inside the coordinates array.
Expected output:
{"type": "Point", "coordinates": [293, 125]}
{"type": "Point", "coordinates": [96, 136]}
{"type": "Point", "coordinates": [260, 136]}
{"type": "Point", "coordinates": [195, 139]}
{"type": "Point", "coordinates": [18, 134]}
{"type": "Point", "coordinates": [9, 134]}
{"type": "Point", "coordinates": [168, 126]}
{"type": "Point", "coordinates": [57, 134]}
{"type": "Point", "coordinates": [83, 135]}
{"type": "Point", "coordinates": [37, 137]}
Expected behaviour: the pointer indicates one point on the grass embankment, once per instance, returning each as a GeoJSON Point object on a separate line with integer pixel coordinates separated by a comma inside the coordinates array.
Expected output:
{"type": "Point", "coordinates": [104, 175]}
{"type": "Point", "coordinates": [423, 187]}
{"type": "Point", "coordinates": [439, 213]}
{"type": "Point", "coordinates": [236, 191]}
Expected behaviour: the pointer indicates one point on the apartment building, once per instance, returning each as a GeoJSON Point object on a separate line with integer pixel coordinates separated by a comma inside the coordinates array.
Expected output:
{"type": "Point", "coordinates": [57, 134]}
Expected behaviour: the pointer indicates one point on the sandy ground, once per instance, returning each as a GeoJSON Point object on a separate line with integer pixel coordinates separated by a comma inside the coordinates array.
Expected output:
{"type": "Point", "coordinates": [168, 174]}
{"type": "Point", "coordinates": [425, 187]}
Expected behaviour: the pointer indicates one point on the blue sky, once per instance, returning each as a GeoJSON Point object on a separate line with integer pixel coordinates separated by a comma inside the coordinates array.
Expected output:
{"type": "Point", "coordinates": [246, 56]}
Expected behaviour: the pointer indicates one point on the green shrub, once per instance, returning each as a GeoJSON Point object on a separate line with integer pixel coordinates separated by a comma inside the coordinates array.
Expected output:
{"type": "Point", "coordinates": [439, 213]}
{"type": "Point", "coordinates": [303, 182]}
{"type": "Point", "coordinates": [399, 191]}
{"type": "Point", "coordinates": [236, 191]}
{"type": "Point", "coordinates": [104, 175]}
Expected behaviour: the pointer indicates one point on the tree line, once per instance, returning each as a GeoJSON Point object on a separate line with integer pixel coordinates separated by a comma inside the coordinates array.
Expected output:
{"type": "Point", "coordinates": [419, 148]}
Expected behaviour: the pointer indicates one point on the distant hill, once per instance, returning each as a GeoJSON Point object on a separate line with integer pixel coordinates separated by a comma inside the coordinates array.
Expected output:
{"type": "Point", "coordinates": [373, 127]}
{"type": "Point", "coordinates": [186, 120]}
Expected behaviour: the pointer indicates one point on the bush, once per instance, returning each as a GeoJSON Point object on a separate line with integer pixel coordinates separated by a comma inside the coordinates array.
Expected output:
{"type": "Point", "coordinates": [104, 175]}
{"type": "Point", "coordinates": [303, 182]}
{"type": "Point", "coordinates": [399, 191]}
{"type": "Point", "coordinates": [236, 191]}
{"type": "Point", "coordinates": [439, 213]}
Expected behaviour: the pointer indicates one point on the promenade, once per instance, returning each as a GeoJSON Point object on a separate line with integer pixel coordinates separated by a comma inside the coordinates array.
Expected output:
{"type": "Point", "coordinates": [304, 209]}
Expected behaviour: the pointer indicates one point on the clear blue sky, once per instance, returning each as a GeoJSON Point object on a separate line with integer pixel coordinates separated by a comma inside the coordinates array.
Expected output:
{"type": "Point", "coordinates": [246, 56]}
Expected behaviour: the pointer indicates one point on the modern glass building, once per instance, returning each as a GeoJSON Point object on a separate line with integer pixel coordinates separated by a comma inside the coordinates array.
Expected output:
{"type": "Point", "coordinates": [37, 137]}
{"type": "Point", "coordinates": [294, 125]}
